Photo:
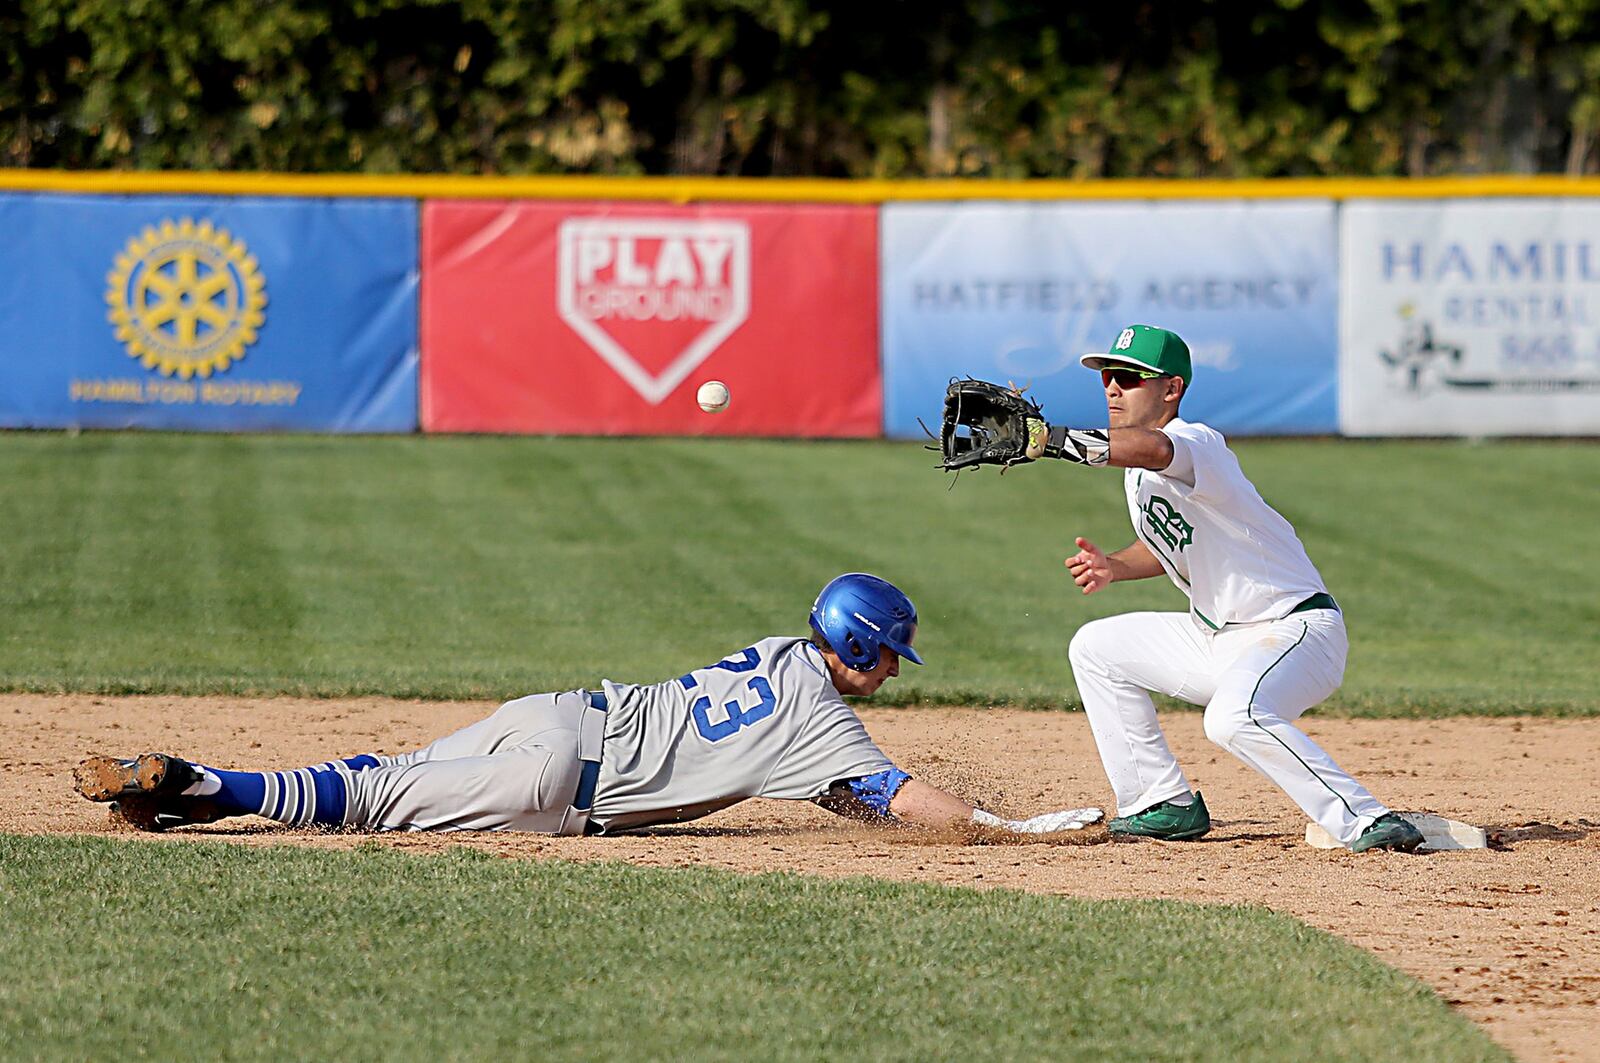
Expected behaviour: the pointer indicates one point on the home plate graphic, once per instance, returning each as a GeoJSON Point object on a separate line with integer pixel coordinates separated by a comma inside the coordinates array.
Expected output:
{"type": "Point", "coordinates": [654, 297]}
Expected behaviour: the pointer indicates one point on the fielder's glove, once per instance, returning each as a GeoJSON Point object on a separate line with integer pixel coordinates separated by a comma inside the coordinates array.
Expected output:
{"type": "Point", "coordinates": [986, 424]}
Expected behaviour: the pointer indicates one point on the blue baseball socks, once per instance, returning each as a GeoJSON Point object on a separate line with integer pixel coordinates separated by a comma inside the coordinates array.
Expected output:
{"type": "Point", "coordinates": [298, 797]}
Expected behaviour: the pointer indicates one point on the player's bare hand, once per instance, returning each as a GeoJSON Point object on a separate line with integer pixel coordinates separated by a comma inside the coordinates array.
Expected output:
{"type": "Point", "coordinates": [1090, 568]}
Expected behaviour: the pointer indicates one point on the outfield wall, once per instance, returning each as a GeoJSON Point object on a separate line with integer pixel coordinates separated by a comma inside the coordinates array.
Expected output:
{"type": "Point", "coordinates": [1470, 317]}
{"type": "Point", "coordinates": [1017, 291]}
{"type": "Point", "coordinates": [569, 317]}
{"type": "Point", "coordinates": [244, 302]}
{"type": "Point", "coordinates": [208, 313]}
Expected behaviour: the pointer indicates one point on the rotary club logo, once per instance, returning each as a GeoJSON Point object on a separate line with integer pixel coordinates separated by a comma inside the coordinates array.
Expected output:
{"type": "Point", "coordinates": [186, 298]}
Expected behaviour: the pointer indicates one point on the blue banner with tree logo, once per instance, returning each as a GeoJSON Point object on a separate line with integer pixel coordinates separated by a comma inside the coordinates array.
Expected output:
{"type": "Point", "coordinates": [1018, 291]}
{"type": "Point", "coordinates": [208, 313]}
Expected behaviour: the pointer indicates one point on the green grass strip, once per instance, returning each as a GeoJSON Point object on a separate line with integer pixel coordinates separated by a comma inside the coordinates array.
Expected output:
{"type": "Point", "coordinates": [493, 567]}
{"type": "Point", "coordinates": [119, 950]}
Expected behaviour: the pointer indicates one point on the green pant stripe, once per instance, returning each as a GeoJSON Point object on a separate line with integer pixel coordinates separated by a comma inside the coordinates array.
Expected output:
{"type": "Point", "coordinates": [1250, 710]}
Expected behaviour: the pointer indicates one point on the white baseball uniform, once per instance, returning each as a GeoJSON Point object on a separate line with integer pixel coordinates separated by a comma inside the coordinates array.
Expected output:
{"type": "Point", "coordinates": [1262, 641]}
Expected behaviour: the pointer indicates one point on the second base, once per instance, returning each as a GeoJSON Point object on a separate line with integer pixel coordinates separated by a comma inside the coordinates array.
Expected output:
{"type": "Point", "coordinates": [1437, 833]}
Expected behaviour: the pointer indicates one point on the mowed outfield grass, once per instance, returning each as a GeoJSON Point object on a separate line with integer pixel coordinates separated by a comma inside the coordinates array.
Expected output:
{"type": "Point", "coordinates": [493, 567]}
{"type": "Point", "coordinates": [119, 949]}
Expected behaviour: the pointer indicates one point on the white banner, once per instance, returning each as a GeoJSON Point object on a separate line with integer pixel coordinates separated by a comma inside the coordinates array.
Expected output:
{"type": "Point", "coordinates": [1470, 317]}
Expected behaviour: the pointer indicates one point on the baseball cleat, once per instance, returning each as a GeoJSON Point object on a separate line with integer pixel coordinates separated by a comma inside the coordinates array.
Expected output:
{"type": "Point", "coordinates": [149, 812]}
{"type": "Point", "coordinates": [108, 778]}
{"type": "Point", "coordinates": [1388, 831]}
{"type": "Point", "coordinates": [1167, 821]}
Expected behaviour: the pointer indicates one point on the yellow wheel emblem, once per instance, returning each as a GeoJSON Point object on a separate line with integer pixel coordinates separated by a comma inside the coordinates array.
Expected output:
{"type": "Point", "coordinates": [186, 298]}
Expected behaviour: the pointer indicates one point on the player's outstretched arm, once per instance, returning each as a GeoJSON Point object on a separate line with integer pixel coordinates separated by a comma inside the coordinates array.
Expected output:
{"type": "Point", "coordinates": [924, 805]}
{"type": "Point", "coordinates": [1140, 448]}
{"type": "Point", "coordinates": [1093, 569]}
{"type": "Point", "coordinates": [928, 806]}
{"type": "Point", "coordinates": [1122, 448]}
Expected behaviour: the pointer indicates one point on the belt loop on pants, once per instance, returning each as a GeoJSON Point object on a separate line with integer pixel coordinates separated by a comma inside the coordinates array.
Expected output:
{"type": "Point", "coordinates": [591, 743]}
{"type": "Point", "coordinates": [1320, 600]}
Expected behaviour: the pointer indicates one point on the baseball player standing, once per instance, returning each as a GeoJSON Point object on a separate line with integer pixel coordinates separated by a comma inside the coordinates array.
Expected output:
{"type": "Point", "coordinates": [1262, 642]}
{"type": "Point", "coordinates": [768, 721]}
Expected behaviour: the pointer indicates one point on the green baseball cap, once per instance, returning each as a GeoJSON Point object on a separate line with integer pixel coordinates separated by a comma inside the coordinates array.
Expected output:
{"type": "Point", "coordinates": [1154, 350]}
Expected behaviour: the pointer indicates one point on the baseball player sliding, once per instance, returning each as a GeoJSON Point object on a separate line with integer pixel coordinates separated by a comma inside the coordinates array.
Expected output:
{"type": "Point", "coordinates": [1263, 640]}
{"type": "Point", "coordinates": [768, 721]}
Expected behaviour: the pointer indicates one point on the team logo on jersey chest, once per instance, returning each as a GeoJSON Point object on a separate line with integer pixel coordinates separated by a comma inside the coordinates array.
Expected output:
{"type": "Point", "coordinates": [1163, 518]}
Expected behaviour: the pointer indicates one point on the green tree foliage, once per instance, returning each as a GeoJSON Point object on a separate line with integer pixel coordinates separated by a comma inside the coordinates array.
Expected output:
{"type": "Point", "coordinates": [999, 88]}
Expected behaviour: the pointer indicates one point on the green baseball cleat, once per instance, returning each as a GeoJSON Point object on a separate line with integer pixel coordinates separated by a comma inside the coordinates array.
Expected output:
{"type": "Point", "coordinates": [1170, 822]}
{"type": "Point", "coordinates": [1388, 831]}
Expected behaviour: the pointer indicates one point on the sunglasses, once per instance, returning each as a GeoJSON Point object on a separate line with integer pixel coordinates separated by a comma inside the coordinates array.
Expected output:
{"type": "Point", "coordinates": [1127, 378]}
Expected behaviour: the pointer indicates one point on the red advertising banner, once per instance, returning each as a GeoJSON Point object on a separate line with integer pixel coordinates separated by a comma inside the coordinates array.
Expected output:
{"type": "Point", "coordinates": [604, 318]}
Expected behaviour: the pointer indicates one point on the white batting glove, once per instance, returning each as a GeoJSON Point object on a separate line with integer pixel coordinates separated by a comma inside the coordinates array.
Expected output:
{"type": "Point", "coordinates": [1044, 823]}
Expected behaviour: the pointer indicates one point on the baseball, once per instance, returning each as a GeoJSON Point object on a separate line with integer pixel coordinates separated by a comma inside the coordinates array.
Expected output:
{"type": "Point", "coordinates": [713, 396]}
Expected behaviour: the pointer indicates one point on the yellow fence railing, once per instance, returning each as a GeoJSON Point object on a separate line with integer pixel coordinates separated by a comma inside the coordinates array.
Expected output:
{"type": "Point", "coordinates": [778, 189]}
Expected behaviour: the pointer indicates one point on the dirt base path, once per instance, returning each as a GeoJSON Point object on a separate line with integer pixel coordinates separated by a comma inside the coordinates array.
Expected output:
{"type": "Point", "coordinates": [1510, 936]}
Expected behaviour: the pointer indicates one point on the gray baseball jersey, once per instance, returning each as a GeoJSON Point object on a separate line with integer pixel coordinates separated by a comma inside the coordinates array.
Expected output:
{"type": "Point", "coordinates": [765, 722]}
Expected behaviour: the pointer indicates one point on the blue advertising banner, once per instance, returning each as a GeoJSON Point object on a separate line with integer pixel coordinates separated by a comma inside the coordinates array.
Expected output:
{"type": "Point", "coordinates": [1019, 291]}
{"type": "Point", "coordinates": [208, 313]}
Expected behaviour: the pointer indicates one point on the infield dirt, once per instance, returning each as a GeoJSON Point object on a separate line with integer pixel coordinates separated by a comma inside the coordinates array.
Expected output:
{"type": "Point", "coordinates": [1510, 935]}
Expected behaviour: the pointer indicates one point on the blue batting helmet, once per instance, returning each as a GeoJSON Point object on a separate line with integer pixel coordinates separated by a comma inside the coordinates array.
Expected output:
{"type": "Point", "coordinates": [858, 614]}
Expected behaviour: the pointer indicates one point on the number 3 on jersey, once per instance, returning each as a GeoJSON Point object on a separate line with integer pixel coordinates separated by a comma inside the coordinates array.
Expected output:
{"type": "Point", "coordinates": [737, 715]}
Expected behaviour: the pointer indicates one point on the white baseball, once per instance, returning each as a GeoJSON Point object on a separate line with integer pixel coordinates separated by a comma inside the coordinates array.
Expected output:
{"type": "Point", "coordinates": [713, 396]}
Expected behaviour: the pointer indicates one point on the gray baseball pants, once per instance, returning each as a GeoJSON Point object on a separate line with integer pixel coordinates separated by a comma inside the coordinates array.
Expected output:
{"type": "Point", "coordinates": [514, 770]}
